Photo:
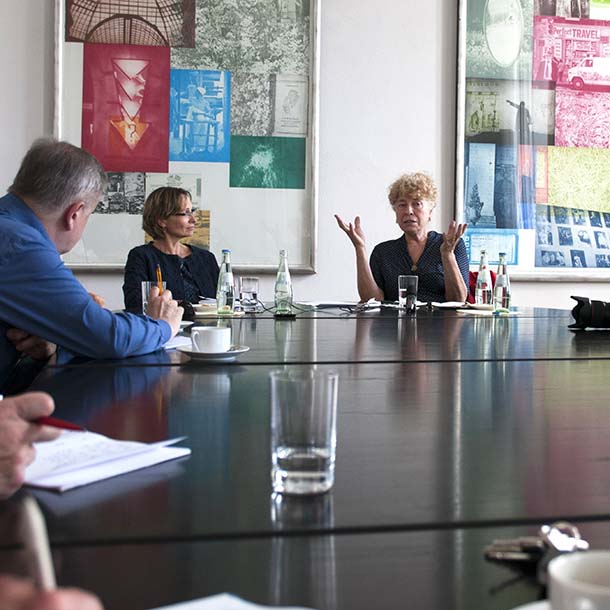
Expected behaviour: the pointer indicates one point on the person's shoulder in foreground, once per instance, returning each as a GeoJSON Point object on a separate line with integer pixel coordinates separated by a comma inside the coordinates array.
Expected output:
{"type": "Point", "coordinates": [43, 216]}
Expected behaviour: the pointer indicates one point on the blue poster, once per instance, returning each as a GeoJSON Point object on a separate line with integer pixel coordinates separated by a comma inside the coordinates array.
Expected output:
{"type": "Point", "coordinates": [479, 200]}
{"type": "Point", "coordinates": [200, 117]}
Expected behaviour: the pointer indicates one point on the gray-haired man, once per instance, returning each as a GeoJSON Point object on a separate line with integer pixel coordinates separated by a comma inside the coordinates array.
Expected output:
{"type": "Point", "coordinates": [41, 303]}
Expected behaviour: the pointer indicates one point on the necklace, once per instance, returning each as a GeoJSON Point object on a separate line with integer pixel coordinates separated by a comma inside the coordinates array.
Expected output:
{"type": "Point", "coordinates": [413, 267]}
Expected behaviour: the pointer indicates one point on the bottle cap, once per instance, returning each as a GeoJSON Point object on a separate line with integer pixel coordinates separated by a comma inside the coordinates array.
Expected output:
{"type": "Point", "coordinates": [226, 250]}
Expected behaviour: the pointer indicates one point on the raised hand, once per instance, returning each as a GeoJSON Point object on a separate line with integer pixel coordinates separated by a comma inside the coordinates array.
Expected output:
{"type": "Point", "coordinates": [452, 236]}
{"type": "Point", "coordinates": [353, 231]}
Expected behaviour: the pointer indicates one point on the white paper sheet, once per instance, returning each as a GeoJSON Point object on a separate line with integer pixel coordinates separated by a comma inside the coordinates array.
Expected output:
{"type": "Point", "coordinates": [79, 458]}
{"type": "Point", "coordinates": [178, 341]}
{"type": "Point", "coordinates": [224, 601]}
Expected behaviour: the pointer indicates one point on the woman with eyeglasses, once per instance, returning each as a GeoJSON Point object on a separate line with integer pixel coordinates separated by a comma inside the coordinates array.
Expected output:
{"type": "Point", "coordinates": [189, 272]}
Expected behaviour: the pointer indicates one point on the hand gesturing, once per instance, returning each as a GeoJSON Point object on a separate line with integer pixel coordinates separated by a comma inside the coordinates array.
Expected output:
{"type": "Point", "coordinates": [353, 231]}
{"type": "Point", "coordinates": [452, 236]}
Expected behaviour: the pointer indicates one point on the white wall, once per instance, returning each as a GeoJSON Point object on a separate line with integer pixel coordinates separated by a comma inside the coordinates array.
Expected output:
{"type": "Point", "coordinates": [387, 98]}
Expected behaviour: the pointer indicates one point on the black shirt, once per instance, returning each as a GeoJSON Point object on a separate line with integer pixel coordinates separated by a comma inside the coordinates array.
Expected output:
{"type": "Point", "coordinates": [390, 259]}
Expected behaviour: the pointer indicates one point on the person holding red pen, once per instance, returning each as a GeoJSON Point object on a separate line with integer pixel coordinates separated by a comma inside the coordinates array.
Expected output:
{"type": "Point", "coordinates": [18, 431]}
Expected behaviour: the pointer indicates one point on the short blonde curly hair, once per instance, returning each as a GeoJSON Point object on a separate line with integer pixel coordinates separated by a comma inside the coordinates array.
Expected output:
{"type": "Point", "coordinates": [417, 185]}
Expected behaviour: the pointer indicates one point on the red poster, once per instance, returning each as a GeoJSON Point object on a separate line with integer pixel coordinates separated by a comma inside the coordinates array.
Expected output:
{"type": "Point", "coordinates": [126, 106]}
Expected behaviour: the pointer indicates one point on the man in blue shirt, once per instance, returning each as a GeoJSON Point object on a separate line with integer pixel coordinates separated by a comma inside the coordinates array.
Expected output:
{"type": "Point", "coordinates": [41, 303]}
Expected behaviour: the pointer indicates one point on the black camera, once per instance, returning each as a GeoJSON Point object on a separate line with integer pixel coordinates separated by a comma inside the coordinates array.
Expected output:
{"type": "Point", "coordinates": [590, 314]}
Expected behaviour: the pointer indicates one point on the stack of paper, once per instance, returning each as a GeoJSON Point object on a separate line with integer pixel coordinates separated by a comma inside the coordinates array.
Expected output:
{"type": "Point", "coordinates": [80, 458]}
{"type": "Point", "coordinates": [222, 602]}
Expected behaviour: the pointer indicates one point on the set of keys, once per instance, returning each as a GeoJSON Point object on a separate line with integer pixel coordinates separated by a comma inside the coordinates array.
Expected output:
{"type": "Point", "coordinates": [529, 551]}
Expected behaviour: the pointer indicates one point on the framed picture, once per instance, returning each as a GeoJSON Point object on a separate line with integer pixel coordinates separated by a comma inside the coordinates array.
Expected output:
{"type": "Point", "coordinates": [219, 98]}
{"type": "Point", "coordinates": [533, 135]}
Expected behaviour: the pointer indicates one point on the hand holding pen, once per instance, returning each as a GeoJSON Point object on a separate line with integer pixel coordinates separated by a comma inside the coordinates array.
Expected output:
{"type": "Point", "coordinates": [18, 431]}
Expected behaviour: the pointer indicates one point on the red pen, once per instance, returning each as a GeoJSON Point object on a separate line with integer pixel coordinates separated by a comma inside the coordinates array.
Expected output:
{"type": "Point", "coordinates": [55, 422]}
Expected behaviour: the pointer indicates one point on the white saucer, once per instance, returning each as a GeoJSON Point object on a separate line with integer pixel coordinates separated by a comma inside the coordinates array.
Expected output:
{"type": "Point", "coordinates": [229, 356]}
{"type": "Point", "coordinates": [541, 605]}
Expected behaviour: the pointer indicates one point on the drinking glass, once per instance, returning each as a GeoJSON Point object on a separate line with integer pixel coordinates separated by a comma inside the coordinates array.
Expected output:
{"type": "Point", "coordinates": [303, 430]}
{"type": "Point", "coordinates": [407, 292]}
{"type": "Point", "coordinates": [146, 286]}
{"type": "Point", "coordinates": [248, 293]}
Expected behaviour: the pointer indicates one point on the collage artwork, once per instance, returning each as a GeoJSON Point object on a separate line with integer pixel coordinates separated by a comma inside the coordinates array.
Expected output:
{"type": "Point", "coordinates": [537, 131]}
{"type": "Point", "coordinates": [169, 85]}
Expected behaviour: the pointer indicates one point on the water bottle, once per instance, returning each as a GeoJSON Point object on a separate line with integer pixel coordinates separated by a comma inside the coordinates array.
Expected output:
{"type": "Point", "coordinates": [483, 292]}
{"type": "Point", "coordinates": [502, 288]}
{"type": "Point", "coordinates": [283, 286]}
{"type": "Point", "coordinates": [225, 291]}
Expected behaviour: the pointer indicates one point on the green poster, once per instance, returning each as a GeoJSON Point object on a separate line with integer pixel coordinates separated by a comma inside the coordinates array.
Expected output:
{"type": "Point", "coordinates": [267, 162]}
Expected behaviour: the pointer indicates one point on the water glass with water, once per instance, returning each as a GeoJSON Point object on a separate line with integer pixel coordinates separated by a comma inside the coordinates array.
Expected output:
{"type": "Point", "coordinates": [248, 293]}
{"type": "Point", "coordinates": [303, 430]}
{"type": "Point", "coordinates": [407, 292]}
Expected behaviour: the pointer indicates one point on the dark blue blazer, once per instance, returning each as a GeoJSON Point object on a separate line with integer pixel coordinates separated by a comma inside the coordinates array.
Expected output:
{"type": "Point", "coordinates": [142, 264]}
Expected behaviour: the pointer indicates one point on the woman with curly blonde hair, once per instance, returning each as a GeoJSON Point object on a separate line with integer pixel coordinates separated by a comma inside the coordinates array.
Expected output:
{"type": "Point", "coordinates": [439, 260]}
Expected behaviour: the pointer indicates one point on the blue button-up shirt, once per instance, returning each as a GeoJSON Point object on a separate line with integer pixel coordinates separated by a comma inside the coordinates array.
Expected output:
{"type": "Point", "coordinates": [41, 296]}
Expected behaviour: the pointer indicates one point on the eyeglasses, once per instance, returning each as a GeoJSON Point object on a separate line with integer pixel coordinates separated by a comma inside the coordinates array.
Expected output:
{"type": "Point", "coordinates": [190, 213]}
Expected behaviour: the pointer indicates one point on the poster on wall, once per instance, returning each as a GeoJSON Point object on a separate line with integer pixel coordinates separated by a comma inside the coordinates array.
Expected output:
{"type": "Point", "coordinates": [158, 91]}
{"type": "Point", "coordinates": [135, 23]}
{"type": "Point", "coordinates": [200, 115]}
{"type": "Point", "coordinates": [533, 123]}
{"type": "Point", "coordinates": [126, 106]}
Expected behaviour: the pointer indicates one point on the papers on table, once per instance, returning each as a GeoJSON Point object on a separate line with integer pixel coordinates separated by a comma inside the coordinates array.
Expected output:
{"type": "Point", "coordinates": [178, 341]}
{"type": "Point", "coordinates": [396, 305]}
{"type": "Point", "coordinates": [62, 505]}
{"type": "Point", "coordinates": [224, 601]}
{"type": "Point", "coordinates": [448, 305]}
{"type": "Point", "coordinates": [338, 304]}
{"type": "Point", "coordinates": [80, 458]}
{"type": "Point", "coordinates": [488, 312]}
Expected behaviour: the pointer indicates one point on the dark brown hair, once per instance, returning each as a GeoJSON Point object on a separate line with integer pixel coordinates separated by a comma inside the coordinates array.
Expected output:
{"type": "Point", "coordinates": [159, 205]}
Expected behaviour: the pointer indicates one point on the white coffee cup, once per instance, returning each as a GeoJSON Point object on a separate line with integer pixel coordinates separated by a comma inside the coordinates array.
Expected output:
{"type": "Point", "coordinates": [211, 339]}
{"type": "Point", "coordinates": [580, 581]}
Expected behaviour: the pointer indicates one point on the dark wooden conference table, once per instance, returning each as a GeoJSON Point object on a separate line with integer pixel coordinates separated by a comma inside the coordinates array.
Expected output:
{"type": "Point", "coordinates": [452, 430]}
